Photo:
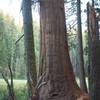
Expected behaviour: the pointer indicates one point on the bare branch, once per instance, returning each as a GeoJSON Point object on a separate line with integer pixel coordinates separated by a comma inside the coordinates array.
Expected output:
{"type": "Point", "coordinates": [6, 80]}
{"type": "Point", "coordinates": [19, 39]}
{"type": "Point", "coordinates": [43, 83]}
{"type": "Point", "coordinates": [40, 80]}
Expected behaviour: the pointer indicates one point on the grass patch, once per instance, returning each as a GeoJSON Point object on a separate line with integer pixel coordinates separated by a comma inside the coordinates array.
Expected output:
{"type": "Point", "coordinates": [20, 88]}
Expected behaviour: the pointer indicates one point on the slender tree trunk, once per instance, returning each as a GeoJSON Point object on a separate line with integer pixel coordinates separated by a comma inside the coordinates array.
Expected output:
{"type": "Point", "coordinates": [10, 87]}
{"type": "Point", "coordinates": [54, 55]}
{"type": "Point", "coordinates": [92, 3]}
{"type": "Point", "coordinates": [80, 48]}
{"type": "Point", "coordinates": [29, 47]}
{"type": "Point", "coordinates": [89, 48]}
{"type": "Point", "coordinates": [15, 56]}
{"type": "Point", "coordinates": [11, 90]}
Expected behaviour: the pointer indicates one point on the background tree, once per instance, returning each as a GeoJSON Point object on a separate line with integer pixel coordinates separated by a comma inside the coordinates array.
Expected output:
{"type": "Point", "coordinates": [8, 38]}
{"type": "Point", "coordinates": [29, 47]}
{"type": "Point", "coordinates": [80, 48]}
{"type": "Point", "coordinates": [10, 33]}
{"type": "Point", "coordinates": [7, 49]}
{"type": "Point", "coordinates": [72, 30]}
{"type": "Point", "coordinates": [94, 54]}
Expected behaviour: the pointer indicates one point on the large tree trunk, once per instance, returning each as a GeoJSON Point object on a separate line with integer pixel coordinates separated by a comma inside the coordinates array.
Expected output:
{"type": "Point", "coordinates": [54, 56]}
{"type": "Point", "coordinates": [29, 47]}
{"type": "Point", "coordinates": [94, 54]}
{"type": "Point", "coordinates": [95, 71]}
{"type": "Point", "coordinates": [80, 49]}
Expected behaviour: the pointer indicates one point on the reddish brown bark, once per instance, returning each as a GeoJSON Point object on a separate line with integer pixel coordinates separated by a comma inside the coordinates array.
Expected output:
{"type": "Point", "coordinates": [54, 55]}
{"type": "Point", "coordinates": [94, 54]}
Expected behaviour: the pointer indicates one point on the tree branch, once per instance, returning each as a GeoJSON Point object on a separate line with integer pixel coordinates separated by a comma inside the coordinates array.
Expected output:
{"type": "Point", "coordinates": [6, 80]}
{"type": "Point", "coordinates": [19, 39]}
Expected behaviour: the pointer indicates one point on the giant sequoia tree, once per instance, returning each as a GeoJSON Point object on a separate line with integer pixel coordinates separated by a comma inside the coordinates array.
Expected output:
{"type": "Point", "coordinates": [54, 56]}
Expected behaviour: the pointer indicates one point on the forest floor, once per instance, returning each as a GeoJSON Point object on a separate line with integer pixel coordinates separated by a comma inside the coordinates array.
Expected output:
{"type": "Point", "coordinates": [20, 88]}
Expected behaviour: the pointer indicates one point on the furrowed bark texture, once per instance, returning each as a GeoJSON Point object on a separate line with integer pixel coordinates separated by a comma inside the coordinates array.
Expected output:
{"type": "Point", "coordinates": [54, 55]}
{"type": "Point", "coordinates": [94, 54]}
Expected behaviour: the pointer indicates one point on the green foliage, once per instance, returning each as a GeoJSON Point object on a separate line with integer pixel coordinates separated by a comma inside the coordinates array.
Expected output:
{"type": "Point", "coordinates": [20, 54]}
{"type": "Point", "coordinates": [9, 34]}
{"type": "Point", "coordinates": [7, 30]}
{"type": "Point", "coordinates": [36, 40]}
{"type": "Point", "coordinates": [8, 50]}
{"type": "Point", "coordinates": [3, 90]}
{"type": "Point", "coordinates": [85, 51]}
{"type": "Point", "coordinates": [19, 87]}
{"type": "Point", "coordinates": [98, 10]}
{"type": "Point", "coordinates": [73, 48]}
